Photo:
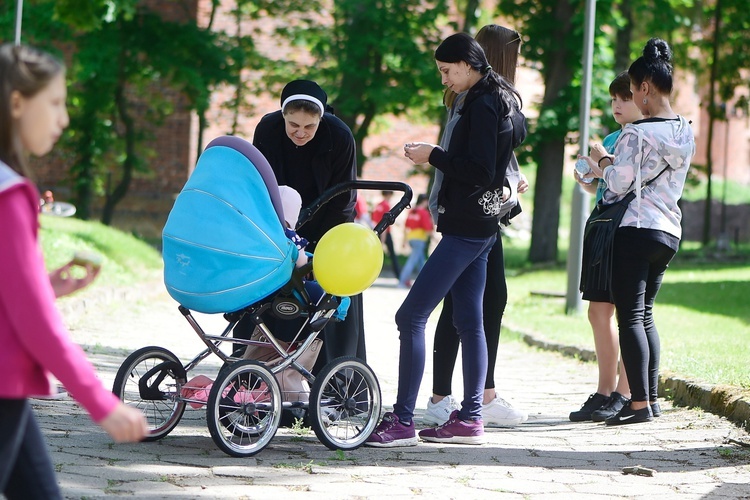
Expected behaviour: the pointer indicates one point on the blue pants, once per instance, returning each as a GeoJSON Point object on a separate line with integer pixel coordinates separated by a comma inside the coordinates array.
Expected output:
{"type": "Point", "coordinates": [26, 469]}
{"type": "Point", "coordinates": [458, 265]}
{"type": "Point", "coordinates": [416, 260]}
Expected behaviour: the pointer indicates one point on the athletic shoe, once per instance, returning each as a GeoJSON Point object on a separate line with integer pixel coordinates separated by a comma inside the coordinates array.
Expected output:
{"type": "Point", "coordinates": [610, 408]}
{"type": "Point", "coordinates": [655, 409]}
{"type": "Point", "coordinates": [391, 433]}
{"type": "Point", "coordinates": [500, 413]}
{"type": "Point", "coordinates": [456, 431]}
{"type": "Point", "coordinates": [630, 416]}
{"type": "Point", "coordinates": [593, 403]}
{"type": "Point", "coordinates": [439, 413]}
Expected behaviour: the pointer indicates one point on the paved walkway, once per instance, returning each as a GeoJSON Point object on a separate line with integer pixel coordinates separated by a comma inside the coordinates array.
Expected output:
{"type": "Point", "coordinates": [695, 454]}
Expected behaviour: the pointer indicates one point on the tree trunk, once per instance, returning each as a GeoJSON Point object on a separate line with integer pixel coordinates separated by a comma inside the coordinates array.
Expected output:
{"type": "Point", "coordinates": [711, 120]}
{"type": "Point", "coordinates": [547, 201]}
{"type": "Point", "coordinates": [470, 15]}
{"type": "Point", "coordinates": [550, 154]}
{"type": "Point", "coordinates": [121, 189]}
{"type": "Point", "coordinates": [623, 38]}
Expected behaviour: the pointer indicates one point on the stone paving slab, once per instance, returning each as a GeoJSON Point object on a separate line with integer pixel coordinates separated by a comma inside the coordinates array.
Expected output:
{"type": "Point", "coordinates": [548, 457]}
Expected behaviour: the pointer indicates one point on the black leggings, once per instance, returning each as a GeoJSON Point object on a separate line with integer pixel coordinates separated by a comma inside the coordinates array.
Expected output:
{"type": "Point", "coordinates": [26, 470]}
{"type": "Point", "coordinates": [638, 270]}
{"type": "Point", "coordinates": [445, 349]}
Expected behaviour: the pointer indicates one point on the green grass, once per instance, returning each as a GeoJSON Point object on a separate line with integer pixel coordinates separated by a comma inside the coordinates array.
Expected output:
{"type": "Point", "coordinates": [701, 312]}
{"type": "Point", "coordinates": [126, 259]}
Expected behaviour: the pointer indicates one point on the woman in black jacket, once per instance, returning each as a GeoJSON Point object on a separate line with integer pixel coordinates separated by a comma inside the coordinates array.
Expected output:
{"type": "Point", "coordinates": [311, 150]}
{"type": "Point", "coordinates": [473, 165]}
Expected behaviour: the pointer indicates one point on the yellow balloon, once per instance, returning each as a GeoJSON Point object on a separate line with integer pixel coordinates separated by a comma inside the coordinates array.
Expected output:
{"type": "Point", "coordinates": [347, 259]}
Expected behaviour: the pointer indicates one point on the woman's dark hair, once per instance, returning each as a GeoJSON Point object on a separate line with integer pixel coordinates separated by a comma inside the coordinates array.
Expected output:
{"type": "Point", "coordinates": [501, 46]}
{"type": "Point", "coordinates": [654, 66]}
{"type": "Point", "coordinates": [25, 70]}
{"type": "Point", "coordinates": [620, 86]}
{"type": "Point", "coordinates": [462, 47]}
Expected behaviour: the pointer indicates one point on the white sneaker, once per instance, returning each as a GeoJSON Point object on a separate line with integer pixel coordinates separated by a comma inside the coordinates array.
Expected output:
{"type": "Point", "coordinates": [439, 413]}
{"type": "Point", "coordinates": [500, 413]}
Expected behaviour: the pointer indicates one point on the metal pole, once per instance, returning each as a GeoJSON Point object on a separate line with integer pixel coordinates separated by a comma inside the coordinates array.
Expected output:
{"type": "Point", "coordinates": [19, 15]}
{"type": "Point", "coordinates": [580, 204]}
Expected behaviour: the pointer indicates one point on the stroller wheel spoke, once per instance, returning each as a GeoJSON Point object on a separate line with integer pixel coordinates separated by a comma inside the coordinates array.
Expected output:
{"type": "Point", "coordinates": [345, 403]}
{"type": "Point", "coordinates": [146, 372]}
{"type": "Point", "coordinates": [244, 408]}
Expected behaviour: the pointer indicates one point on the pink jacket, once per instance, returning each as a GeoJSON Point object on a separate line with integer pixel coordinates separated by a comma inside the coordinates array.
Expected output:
{"type": "Point", "coordinates": [33, 338]}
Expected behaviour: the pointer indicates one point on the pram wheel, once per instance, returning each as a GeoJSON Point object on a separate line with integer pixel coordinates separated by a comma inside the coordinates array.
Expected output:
{"type": "Point", "coordinates": [244, 408]}
{"type": "Point", "coordinates": [344, 403]}
{"type": "Point", "coordinates": [148, 380]}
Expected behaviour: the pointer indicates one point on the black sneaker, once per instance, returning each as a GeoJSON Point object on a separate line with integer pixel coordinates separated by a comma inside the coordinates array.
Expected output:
{"type": "Point", "coordinates": [629, 416]}
{"type": "Point", "coordinates": [610, 408]}
{"type": "Point", "coordinates": [593, 403]}
{"type": "Point", "coordinates": [655, 409]}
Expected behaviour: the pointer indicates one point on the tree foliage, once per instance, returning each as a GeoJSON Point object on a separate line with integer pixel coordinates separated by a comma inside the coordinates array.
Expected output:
{"type": "Point", "coordinates": [125, 59]}
{"type": "Point", "coordinates": [724, 43]}
{"type": "Point", "coordinates": [374, 58]}
{"type": "Point", "coordinates": [553, 40]}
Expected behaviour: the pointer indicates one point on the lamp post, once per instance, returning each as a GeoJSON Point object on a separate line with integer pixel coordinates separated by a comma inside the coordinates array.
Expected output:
{"type": "Point", "coordinates": [580, 204]}
{"type": "Point", "coordinates": [19, 15]}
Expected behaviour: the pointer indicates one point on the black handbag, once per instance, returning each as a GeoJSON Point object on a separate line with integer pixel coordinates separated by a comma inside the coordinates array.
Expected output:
{"type": "Point", "coordinates": [598, 242]}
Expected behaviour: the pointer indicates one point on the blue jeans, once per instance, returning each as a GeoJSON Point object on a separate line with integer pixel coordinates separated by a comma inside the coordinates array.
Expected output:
{"type": "Point", "coordinates": [458, 265]}
{"type": "Point", "coordinates": [26, 469]}
{"type": "Point", "coordinates": [416, 260]}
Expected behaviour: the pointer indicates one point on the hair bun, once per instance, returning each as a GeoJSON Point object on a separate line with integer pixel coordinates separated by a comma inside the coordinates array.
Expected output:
{"type": "Point", "coordinates": [657, 49]}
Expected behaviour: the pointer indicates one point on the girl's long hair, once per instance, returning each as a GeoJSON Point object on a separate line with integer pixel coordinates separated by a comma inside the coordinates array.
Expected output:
{"type": "Point", "coordinates": [462, 47]}
{"type": "Point", "coordinates": [25, 70]}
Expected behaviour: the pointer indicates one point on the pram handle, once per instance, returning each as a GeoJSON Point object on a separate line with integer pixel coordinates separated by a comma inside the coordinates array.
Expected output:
{"type": "Point", "coordinates": [343, 187]}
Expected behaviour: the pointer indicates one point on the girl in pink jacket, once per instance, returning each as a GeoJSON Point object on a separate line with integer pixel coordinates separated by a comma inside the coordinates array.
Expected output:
{"type": "Point", "coordinates": [34, 340]}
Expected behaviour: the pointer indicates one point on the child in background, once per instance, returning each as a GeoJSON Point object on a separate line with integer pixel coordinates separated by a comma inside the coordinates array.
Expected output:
{"type": "Point", "coordinates": [417, 234]}
{"type": "Point", "coordinates": [612, 393]}
{"type": "Point", "coordinates": [35, 341]}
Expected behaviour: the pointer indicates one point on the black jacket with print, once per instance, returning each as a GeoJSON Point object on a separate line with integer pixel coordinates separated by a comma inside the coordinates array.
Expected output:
{"type": "Point", "coordinates": [474, 167]}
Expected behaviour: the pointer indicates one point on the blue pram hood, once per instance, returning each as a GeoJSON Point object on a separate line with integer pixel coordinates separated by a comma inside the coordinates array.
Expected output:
{"type": "Point", "coordinates": [224, 245]}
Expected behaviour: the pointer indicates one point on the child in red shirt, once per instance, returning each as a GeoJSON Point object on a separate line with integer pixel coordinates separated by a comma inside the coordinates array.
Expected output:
{"type": "Point", "coordinates": [417, 233]}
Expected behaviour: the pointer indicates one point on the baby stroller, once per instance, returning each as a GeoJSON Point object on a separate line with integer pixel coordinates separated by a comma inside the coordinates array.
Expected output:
{"type": "Point", "coordinates": [225, 251]}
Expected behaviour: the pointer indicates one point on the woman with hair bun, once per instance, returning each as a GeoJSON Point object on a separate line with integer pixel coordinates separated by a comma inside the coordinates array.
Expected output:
{"type": "Point", "coordinates": [656, 150]}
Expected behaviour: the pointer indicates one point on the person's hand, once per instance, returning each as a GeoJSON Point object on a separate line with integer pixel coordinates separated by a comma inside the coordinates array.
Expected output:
{"type": "Point", "coordinates": [589, 187]}
{"type": "Point", "coordinates": [523, 184]}
{"type": "Point", "coordinates": [63, 280]}
{"type": "Point", "coordinates": [418, 152]}
{"type": "Point", "coordinates": [596, 153]}
{"type": "Point", "coordinates": [125, 424]}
